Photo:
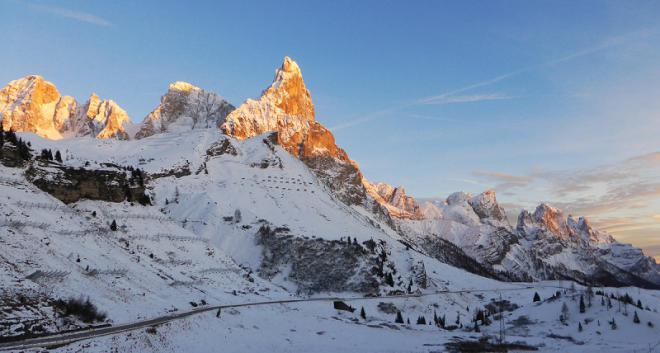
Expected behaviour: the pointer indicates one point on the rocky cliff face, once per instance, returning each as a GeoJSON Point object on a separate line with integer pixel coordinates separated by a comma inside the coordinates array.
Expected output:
{"type": "Point", "coordinates": [102, 119]}
{"type": "Point", "coordinates": [32, 104]}
{"type": "Point", "coordinates": [69, 184]}
{"type": "Point", "coordinates": [185, 107]}
{"type": "Point", "coordinates": [286, 107]}
{"type": "Point", "coordinates": [395, 200]}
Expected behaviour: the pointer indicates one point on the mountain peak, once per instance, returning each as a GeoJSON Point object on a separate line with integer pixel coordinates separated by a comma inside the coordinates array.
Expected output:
{"type": "Point", "coordinates": [395, 200]}
{"type": "Point", "coordinates": [285, 106]}
{"type": "Point", "coordinates": [289, 65]}
{"type": "Point", "coordinates": [185, 107]}
{"type": "Point", "coordinates": [485, 206]}
{"type": "Point", "coordinates": [182, 86]}
{"type": "Point", "coordinates": [32, 104]}
{"type": "Point", "coordinates": [289, 91]}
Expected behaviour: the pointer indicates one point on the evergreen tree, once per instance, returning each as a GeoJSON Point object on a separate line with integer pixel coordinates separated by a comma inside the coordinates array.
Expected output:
{"type": "Point", "coordinates": [639, 303]}
{"type": "Point", "coordinates": [11, 137]}
{"type": "Point", "coordinates": [23, 149]}
{"type": "Point", "coordinates": [421, 320]}
{"type": "Point", "coordinates": [537, 297]}
{"type": "Point", "coordinates": [479, 316]}
{"type": "Point", "coordinates": [476, 327]}
{"type": "Point", "coordinates": [579, 327]}
{"type": "Point", "coordinates": [408, 321]}
{"type": "Point", "coordinates": [389, 280]}
{"type": "Point", "coordinates": [590, 295]}
{"type": "Point", "coordinates": [613, 324]}
{"type": "Point", "coordinates": [565, 314]}
{"type": "Point", "coordinates": [582, 308]}
{"type": "Point", "coordinates": [363, 315]}
{"type": "Point", "coordinates": [113, 226]}
{"type": "Point", "coordinates": [399, 318]}
{"type": "Point", "coordinates": [442, 321]}
{"type": "Point", "coordinates": [636, 318]}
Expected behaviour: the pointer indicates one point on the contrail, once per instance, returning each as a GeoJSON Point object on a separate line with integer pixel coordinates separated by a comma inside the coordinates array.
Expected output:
{"type": "Point", "coordinates": [443, 97]}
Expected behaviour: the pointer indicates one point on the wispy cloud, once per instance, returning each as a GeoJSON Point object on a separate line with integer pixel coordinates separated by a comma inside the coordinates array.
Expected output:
{"type": "Point", "coordinates": [604, 45]}
{"type": "Point", "coordinates": [509, 178]}
{"type": "Point", "coordinates": [454, 97]}
{"type": "Point", "coordinates": [368, 117]}
{"type": "Point", "coordinates": [80, 16]}
{"type": "Point", "coordinates": [449, 99]}
{"type": "Point", "coordinates": [621, 197]}
{"type": "Point", "coordinates": [506, 181]}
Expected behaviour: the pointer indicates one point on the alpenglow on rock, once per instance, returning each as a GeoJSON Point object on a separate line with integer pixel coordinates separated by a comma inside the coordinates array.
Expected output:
{"type": "Point", "coordinates": [286, 107]}
{"type": "Point", "coordinates": [32, 104]}
{"type": "Point", "coordinates": [185, 107]}
{"type": "Point", "coordinates": [395, 200]}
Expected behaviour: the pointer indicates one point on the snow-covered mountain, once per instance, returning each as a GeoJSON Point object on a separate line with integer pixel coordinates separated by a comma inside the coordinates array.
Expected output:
{"type": "Point", "coordinates": [203, 203]}
{"type": "Point", "coordinates": [545, 244]}
{"type": "Point", "coordinates": [32, 104]}
{"type": "Point", "coordinates": [185, 107]}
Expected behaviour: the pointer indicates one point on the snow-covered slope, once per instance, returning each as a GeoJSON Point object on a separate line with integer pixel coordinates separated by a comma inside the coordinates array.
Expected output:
{"type": "Point", "coordinates": [232, 221]}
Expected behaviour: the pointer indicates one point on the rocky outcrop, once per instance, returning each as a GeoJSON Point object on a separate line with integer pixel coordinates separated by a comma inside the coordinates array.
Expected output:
{"type": "Point", "coordinates": [32, 104]}
{"type": "Point", "coordinates": [101, 119]}
{"type": "Point", "coordinates": [485, 206]}
{"type": "Point", "coordinates": [69, 184]}
{"type": "Point", "coordinates": [316, 265]}
{"type": "Point", "coordinates": [185, 107]}
{"type": "Point", "coordinates": [395, 200]}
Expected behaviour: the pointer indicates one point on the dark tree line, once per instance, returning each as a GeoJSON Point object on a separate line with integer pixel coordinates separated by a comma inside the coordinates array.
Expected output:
{"type": "Point", "coordinates": [24, 150]}
{"type": "Point", "coordinates": [47, 154]}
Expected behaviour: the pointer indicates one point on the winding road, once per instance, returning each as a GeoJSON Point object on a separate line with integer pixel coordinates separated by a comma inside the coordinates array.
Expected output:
{"type": "Point", "coordinates": [57, 339]}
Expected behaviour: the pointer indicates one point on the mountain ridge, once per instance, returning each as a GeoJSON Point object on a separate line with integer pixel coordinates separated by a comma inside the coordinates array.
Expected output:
{"type": "Point", "coordinates": [477, 224]}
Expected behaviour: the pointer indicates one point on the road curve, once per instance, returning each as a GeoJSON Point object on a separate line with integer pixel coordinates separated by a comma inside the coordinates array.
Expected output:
{"type": "Point", "coordinates": [66, 338]}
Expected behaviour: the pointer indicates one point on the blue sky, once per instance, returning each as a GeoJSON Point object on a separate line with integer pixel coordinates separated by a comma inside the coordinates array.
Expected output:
{"type": "Point", "coordinates": [544, 100]}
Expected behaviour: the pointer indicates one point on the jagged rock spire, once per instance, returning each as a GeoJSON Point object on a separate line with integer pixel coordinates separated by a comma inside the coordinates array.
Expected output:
{"type": "Point", "coordinates": [285, 106]}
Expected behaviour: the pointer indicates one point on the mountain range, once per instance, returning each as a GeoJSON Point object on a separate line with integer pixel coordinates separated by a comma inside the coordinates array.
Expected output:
{"type": "Point", "coordinates": [470, 232]}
